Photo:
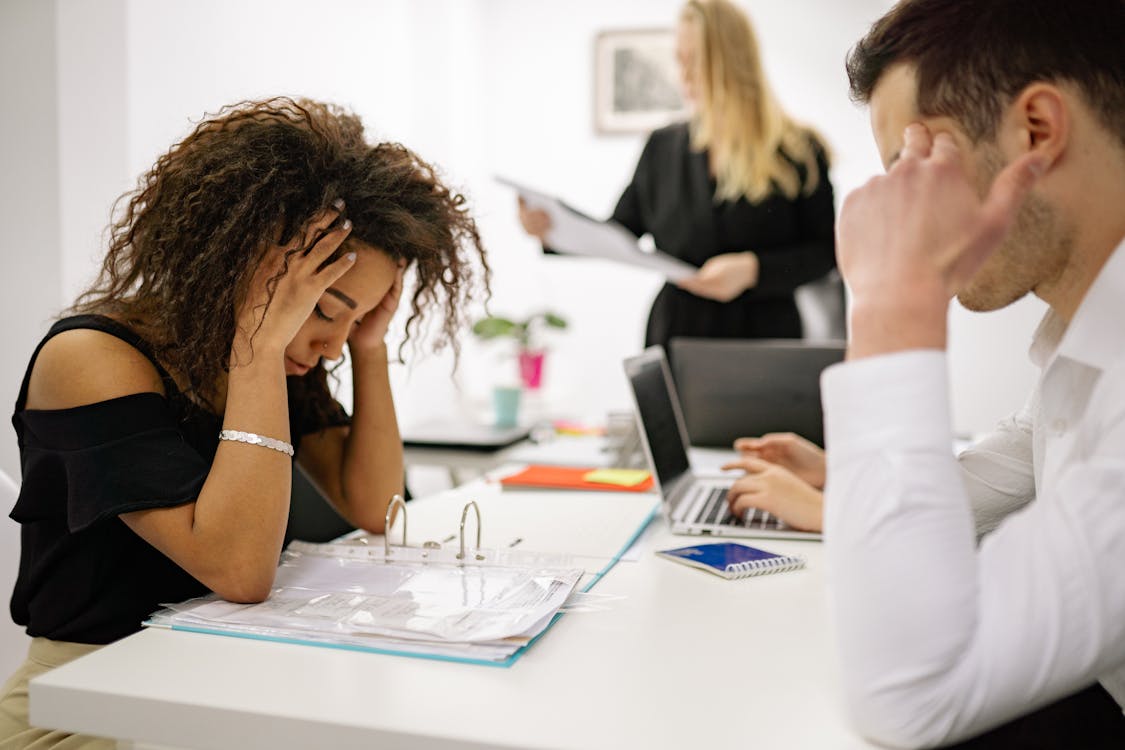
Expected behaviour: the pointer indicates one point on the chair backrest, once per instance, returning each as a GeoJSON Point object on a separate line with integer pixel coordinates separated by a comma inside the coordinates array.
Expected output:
{"type": "Point", "coordinates": [311, 517]}
{"type": "Point", "coordinates": [13, 640]}
{"type": "Point", "coordinates": [732, 388]}
{"type": "Point", "coordinates": [9, 491]}
{"type": "Point", "coordinates": [823, 308]}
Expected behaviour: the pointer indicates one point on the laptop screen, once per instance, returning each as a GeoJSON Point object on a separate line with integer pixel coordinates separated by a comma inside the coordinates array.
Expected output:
{"type": "Point", "coordinates": [653, 394]}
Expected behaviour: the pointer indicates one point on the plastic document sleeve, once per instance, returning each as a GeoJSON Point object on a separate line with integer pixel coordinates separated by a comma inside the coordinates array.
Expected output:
{"type": "Point", "coordinates": [462, 603]}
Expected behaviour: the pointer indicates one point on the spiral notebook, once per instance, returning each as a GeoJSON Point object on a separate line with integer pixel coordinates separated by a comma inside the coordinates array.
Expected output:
{"type": "Point", "coordinates": [732, 560]}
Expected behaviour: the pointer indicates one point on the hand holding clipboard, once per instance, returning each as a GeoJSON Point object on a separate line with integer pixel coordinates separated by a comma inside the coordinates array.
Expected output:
{"type": "Point", "coordinates": [572, 232]}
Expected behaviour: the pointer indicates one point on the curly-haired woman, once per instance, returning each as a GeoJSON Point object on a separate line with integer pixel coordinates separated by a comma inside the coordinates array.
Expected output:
{"type": "Point", "coordinates": [157, 422]}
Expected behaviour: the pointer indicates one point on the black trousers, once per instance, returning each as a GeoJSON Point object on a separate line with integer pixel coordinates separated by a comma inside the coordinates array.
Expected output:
{"type": "Point", "coordinates": [1087, 720]}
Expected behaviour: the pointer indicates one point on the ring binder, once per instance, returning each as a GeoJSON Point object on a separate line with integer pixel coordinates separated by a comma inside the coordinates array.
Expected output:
{"type": "Point", "coordinates": [396, 501]}
{"type": "Point", "coordinates": [432, 600]}
{"type": "Point", "coordinates": [464, 514]}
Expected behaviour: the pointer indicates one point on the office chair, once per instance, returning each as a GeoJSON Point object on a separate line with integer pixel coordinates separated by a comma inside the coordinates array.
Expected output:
{"type": "Point", "coordinates": [823, 308]}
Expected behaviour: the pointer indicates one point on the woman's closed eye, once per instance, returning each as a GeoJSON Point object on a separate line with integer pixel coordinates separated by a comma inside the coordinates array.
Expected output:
{"type": "Point", "coordinates": [321, 314]}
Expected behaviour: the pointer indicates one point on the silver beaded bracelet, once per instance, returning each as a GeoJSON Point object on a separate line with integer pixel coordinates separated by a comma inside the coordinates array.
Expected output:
{"type": "Point", "coordinates": [255, 439]}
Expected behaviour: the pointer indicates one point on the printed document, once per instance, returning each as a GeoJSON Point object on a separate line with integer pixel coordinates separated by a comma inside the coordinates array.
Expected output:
{"type": "Point", "coordinates": [577, 234]}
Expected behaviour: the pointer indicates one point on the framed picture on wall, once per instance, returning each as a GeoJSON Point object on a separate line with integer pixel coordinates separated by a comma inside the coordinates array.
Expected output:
{"type": "Point", "coordinates": [636, 83]}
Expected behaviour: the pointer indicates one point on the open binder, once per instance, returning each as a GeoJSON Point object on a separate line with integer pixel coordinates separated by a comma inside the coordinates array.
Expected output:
{"type": "Point", "coordinates": [458, 602]}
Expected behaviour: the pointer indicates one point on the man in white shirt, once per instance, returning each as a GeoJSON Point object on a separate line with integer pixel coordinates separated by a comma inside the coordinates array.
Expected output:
{"type": "Point", "coordinates": [1002, 127]}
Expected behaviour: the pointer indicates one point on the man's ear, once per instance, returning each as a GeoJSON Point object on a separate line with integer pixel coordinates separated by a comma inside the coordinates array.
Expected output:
{"type": "Point", "coordinates": [1038, 120]}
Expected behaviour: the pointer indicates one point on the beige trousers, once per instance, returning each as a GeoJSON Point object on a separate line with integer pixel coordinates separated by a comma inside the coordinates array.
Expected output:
{"type": "Point", "coordinates": [15, 733]}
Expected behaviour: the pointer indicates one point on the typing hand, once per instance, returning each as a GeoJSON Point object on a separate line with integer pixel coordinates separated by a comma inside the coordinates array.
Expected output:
{"type": "Point", "coordinates": [789, 451]}
{"type": "Point", "coordinates": [777, 491]}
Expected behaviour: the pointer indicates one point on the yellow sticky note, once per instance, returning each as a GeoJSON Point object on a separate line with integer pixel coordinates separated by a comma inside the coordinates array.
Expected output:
{"type": "Point", "coordinates": [620, 477]}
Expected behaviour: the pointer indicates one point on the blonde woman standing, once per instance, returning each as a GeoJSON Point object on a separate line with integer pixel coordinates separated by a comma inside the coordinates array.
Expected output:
{"type": "Point", "coordinates": [741, 191]}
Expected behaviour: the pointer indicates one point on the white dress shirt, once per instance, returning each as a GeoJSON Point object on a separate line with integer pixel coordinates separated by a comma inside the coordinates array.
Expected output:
{"type": "Point", "coordinates": [940, 639]}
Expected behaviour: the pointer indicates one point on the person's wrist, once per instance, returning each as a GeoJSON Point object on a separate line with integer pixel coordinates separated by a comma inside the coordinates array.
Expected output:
{"type": "Point", "coordinates": [255, 347]}
{"type": "Point", "coordinates": [885, 327]}
{"type": "Point", "coordinates": [751, 268]}
{"type": "Point", "coordinates": [369, 354]}
{"type": "Point", "coordinates": [255, 355]}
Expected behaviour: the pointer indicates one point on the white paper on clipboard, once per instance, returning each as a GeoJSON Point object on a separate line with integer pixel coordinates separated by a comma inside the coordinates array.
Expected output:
{"type": "Point", "coordinates": [574, 233]}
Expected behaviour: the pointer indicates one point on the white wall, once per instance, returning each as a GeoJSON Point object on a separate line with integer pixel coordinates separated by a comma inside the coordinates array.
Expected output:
{"type": "Point", "coordinates": [93, 131]}
{"type": "Point", "coordinates": [481, 87]}
{"type": "Point", "coordinates": [485, 88]}
{"type": "Point", "coordinates": [29, 205]}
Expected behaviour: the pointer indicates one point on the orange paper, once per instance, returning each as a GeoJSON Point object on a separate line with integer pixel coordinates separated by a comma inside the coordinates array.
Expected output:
{"type": "Point", "coordinates": [567, 478]}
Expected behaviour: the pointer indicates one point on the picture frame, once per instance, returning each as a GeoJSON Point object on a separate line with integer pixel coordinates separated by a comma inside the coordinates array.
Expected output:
{"type": "Point", "coordinates": [636, 82]}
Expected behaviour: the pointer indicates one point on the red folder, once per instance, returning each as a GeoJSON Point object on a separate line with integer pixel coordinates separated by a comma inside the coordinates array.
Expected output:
{"type": "Point", "coordinates": [566, 478]}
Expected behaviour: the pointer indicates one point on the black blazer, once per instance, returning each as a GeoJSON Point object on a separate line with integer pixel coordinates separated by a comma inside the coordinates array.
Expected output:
{"type": "Point", "coordinates": [672, 197]}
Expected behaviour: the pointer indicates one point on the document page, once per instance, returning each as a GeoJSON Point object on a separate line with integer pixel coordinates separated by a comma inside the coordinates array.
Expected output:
{"type": "Point", "coordinates": [572, 232]}
{"type": "Point", "coordinates": [444, 608]}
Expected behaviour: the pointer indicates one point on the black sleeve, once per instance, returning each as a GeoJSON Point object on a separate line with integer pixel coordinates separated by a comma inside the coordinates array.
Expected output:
{"type": "Point", "coordinates": [112, 457]}
{"type": "Point", "coordinates": [783, 269]}
{"type": "Point", "coordinates": [629, 212]}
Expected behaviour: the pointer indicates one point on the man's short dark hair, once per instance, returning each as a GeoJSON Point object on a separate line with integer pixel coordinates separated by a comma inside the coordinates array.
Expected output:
{"type": "Point", "coordinates": [973, 58]}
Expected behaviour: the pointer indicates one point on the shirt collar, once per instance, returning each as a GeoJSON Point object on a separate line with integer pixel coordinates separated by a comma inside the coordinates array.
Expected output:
{"type": "Point", "coordinates": [1093, 336]}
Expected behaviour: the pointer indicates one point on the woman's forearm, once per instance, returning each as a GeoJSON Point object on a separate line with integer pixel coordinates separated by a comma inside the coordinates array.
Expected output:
{"type": "Point", "coordinates": [372, 468]}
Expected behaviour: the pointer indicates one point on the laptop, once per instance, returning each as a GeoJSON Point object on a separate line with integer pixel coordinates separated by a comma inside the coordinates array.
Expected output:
{"type": "Point", "coordinates": [694, 505]}
{"type": "Point", "coordinates": [460, 435]}
{"type": "Point", "coordinates": [731, 388]}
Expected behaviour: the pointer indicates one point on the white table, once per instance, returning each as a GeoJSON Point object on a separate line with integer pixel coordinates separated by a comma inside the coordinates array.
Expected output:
{"type": "Point", "coordinates": [685, 659]}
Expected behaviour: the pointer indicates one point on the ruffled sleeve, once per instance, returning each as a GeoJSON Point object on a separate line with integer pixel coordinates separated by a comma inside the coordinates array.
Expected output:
{"type": "Point", "coordinates": [93, 462]}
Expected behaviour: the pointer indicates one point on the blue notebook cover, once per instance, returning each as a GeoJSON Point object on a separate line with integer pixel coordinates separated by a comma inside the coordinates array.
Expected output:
{"type": "Point", "coordinates": [732, 560]}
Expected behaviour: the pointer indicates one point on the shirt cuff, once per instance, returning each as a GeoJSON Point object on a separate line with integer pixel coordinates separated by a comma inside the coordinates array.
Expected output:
{"type": "Point", "coordinates": [898, 401]}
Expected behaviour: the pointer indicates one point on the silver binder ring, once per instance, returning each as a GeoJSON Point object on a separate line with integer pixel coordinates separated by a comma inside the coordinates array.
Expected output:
{"type": "Point", "coordinates": [396, 501]}
{"type": "Point", "coordinates": [464, 515]}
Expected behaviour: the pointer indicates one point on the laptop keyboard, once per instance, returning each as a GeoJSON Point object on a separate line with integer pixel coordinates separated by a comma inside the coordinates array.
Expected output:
{"type": "Point", "coordinates": [714, 509]}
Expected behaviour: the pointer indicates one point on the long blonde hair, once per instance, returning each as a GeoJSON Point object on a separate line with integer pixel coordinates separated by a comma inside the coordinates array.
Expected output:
{"type": "Point", "coordinates": [738, 118]}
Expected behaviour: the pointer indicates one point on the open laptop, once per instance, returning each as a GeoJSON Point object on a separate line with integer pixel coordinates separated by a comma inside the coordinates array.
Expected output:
{"type": "Point", "coordinates": [731, 388]}
{"type": "Point", "coordinates": [694, 505]}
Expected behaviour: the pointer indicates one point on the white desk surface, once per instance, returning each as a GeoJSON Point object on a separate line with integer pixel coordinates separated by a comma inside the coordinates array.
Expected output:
{"type": "Point", "coordinates": [563, 450]}
{"type": "Point", "coordinates": [685, 659]}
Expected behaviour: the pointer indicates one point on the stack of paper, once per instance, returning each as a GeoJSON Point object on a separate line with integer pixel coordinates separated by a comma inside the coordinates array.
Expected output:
{"type": "Point", "coordinates": [432, 607]}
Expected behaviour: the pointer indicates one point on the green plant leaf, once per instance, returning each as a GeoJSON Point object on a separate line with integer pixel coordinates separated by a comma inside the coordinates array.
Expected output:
{"type": "Point", "coordinates": [494, 327]}
{"type": "Point", "coordinates": [554, 320]}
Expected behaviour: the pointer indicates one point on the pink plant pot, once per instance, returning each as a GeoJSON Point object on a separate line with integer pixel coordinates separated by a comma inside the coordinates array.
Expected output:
{"type": "Point", "coordinates": [531, 368]}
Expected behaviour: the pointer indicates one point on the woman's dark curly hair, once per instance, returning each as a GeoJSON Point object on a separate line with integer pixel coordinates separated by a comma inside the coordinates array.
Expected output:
{"type": "Point", "coordinates": [187, 243]}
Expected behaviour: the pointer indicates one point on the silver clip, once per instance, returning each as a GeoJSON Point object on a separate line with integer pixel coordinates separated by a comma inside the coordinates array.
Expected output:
{"type": "Point", "coordinates": [464, 515]}
{"type": "Point", "coordinates": [396, 500]}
